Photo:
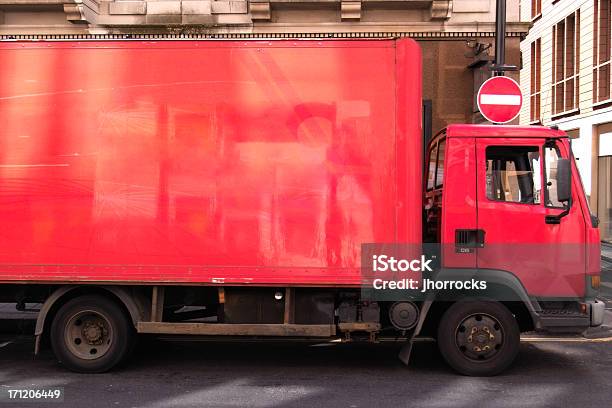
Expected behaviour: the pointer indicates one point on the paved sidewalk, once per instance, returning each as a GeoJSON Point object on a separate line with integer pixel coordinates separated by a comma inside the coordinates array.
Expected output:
{"type": "Point", "coordinates": [606, 257]}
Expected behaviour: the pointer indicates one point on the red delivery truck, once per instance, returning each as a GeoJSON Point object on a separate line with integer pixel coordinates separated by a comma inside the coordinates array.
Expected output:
{"type": "Point", "coordinates": [227, 188]}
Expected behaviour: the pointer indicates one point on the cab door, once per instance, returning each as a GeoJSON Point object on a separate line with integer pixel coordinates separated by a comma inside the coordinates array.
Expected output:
{"type": "Point", "coordinates": [516, 190]}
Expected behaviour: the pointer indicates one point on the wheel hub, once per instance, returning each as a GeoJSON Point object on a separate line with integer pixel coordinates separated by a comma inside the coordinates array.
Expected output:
{"type": "Point", "coordinates": [88, 334]}
{"type": "Point", "coordinates": [479, 337]}
{"type": "Point", "coordinates": [94, 332]}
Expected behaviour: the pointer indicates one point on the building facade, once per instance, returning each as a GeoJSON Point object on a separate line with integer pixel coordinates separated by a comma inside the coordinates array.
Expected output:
{"type": "Point", "coordinates": [566, 81]}
{"type": "Point", "coordinates": [456, 36]}
{"type": "Point", "coordinates": [252, 16]}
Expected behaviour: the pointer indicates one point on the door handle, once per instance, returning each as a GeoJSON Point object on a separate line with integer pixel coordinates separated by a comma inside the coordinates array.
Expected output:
{"type": "Point", "coordinates": [556, 219]}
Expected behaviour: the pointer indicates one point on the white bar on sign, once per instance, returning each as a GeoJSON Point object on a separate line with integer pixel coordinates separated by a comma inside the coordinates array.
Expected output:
{"type": "Point", "coordinates": [492, 99]}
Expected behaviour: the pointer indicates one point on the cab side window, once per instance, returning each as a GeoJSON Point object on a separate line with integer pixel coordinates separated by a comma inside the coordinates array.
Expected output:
{"type": "Point", "coordinates": [513, 174]}
{"type": "Point", "coordinates": [431, 168]}
{"type": "Point", "coordinates": [435, 166]}
{"type": "Point", "coordinates": [440, 168]}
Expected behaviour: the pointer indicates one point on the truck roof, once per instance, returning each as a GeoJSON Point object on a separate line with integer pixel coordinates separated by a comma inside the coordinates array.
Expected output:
{"type": "Point", "coordinates": [463, 130]}
{"type": "Point", "coordinates": [204, 43]}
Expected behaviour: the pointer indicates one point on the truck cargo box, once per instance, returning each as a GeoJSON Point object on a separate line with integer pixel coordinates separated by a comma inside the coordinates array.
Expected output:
{"type": "Point", "coordinates": [213, 162]}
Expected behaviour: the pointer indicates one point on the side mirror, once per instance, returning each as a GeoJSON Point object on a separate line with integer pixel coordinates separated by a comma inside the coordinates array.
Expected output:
{"type": "Point", "coordinates": [564, 180]}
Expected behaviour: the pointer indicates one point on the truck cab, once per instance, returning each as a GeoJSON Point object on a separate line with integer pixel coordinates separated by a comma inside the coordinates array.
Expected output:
{"type": "Point", "coordinates": [508, 203]}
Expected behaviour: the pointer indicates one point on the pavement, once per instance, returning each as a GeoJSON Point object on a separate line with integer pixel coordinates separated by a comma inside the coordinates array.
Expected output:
{"type": "Point", "coordinates": [181, 373]}
{"type": "Point", "coordinates": [606, 257]}
{"type": "Point", "coordinates": [201, 374]}
{"type": "Point", "coordinates": [606, 273]}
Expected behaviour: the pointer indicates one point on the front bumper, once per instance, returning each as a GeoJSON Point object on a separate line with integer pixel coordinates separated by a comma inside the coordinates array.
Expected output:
{"type": "Point", "coordinates": [556, 321]}
{"type": "Point", "coordinates": [596, 312]}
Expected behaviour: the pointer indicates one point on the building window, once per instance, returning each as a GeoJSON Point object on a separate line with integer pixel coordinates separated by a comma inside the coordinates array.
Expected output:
{"type": "Point", "coordinates": [536, 80]}
{"type": "Point", "coordinates": [604, 197]}
{"type": "Point", "coordinates": [601, 182]}
{"type": "Point", "coordinates": [536, 9]}
{"type": "Point", "coordinates": [566, 50]}
{"type": "Point", "coordinates": [601, 51]}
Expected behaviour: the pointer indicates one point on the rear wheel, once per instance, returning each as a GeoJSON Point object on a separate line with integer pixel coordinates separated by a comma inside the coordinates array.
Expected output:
{"type": "Point", "coordinates": [478, 338]}
{"type": "Point", "coordinates": [91, 334]}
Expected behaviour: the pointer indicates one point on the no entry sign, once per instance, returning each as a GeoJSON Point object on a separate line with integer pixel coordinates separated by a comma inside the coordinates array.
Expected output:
{"type": "Point", "coordinates": [500, 99]}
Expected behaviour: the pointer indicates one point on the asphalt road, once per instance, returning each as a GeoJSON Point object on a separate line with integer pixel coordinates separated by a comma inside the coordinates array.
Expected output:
{"type": "Point", "coordinates": [202, 374]}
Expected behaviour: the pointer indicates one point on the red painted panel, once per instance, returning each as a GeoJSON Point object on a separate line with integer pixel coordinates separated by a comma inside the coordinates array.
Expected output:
{"type": "Point", "coordinates": [206, 161]}
{"type": "Point", "coordinates": [459, 200]}
{"type": "Point", "coordinates": [549, 260]}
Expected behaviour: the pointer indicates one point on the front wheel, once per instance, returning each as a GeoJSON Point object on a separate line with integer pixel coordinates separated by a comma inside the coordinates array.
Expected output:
{"type": "Point", "coordinates": [478, 338]}
{"type": "Point", "coordinates": [91, 334]}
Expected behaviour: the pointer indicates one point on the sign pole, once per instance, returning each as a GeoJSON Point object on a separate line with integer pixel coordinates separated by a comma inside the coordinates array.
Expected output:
{"type": "Point", "coordinates": [500, 36]}
{"type": "Point", "coordinates": [499, 65]}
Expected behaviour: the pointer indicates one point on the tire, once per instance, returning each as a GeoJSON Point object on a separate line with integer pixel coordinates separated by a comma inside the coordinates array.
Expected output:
{"type": "Point", "coordinates": [478, 338]}
{"type": "Point", "coordinates": [91, 334]}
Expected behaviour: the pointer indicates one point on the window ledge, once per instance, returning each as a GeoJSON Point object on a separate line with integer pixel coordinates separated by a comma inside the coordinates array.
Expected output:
{"type": "Point", "coordinates": [555, 1]}
{"type": "Point", "coordinates": [565, 114]}
{"type": "Point", "coordinates": [602, 104]}
{"type": "Point", "coordinates": [535, 123]}
{"type": "Point", "coordinates": [536, 17]}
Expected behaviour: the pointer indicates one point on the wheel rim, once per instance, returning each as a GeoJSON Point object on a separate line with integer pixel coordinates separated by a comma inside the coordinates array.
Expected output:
{"type": "Point", "coordinates": [88, 334]}
{"type": "Point", "coordinates": [479, 337]}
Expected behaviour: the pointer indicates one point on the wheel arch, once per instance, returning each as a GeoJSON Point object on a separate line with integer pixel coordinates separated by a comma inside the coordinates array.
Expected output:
{"type": "Point", "coordinates": [502, 286]}
{"type": "Point", "coordinates": [132, 301]}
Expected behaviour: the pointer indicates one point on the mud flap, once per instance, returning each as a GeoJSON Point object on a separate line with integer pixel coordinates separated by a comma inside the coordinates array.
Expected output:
{"type": "Point", "coordinates": [37, 345]}
{"type": "Point", "coordinates": [404, 354]}
{"type": "Point", "coordinates": [405, 351]}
